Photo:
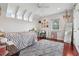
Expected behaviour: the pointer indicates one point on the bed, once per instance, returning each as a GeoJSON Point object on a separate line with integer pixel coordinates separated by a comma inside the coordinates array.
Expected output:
{"type": "Point", "coordinates": [21, 39]}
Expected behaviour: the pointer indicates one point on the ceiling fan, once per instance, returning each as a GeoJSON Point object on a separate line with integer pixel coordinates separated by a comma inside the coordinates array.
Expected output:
{"type": "Point", "coordinates": [42, 5]}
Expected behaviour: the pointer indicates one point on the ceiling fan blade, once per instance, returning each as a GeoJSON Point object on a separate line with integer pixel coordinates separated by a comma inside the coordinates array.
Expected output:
{"type": "Point", "coordinates": [41, 6]}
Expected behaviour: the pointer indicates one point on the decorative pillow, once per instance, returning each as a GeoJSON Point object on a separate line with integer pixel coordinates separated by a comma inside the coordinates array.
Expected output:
{"type": "Point", "coordinates": [3, 40]}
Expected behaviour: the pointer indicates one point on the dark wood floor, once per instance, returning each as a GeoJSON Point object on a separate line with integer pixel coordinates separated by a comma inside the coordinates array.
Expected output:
{"type": "Point", "coordinates": [68, 49]}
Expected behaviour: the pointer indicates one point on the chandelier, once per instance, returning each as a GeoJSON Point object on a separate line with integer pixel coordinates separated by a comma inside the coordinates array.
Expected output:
{"type": "Point", "coordinates": [66, 16]}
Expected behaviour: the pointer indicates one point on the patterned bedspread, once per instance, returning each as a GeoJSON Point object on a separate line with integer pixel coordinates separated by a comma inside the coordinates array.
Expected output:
{"type": "Point", "coordinates": [21, 39]}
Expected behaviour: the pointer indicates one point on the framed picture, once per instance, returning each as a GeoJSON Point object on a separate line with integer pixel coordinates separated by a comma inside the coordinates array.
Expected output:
{"type": "Point", "coordinates": [44, 23]}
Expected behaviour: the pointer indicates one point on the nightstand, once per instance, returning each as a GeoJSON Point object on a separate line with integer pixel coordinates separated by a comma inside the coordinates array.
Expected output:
{"type": "Point", "coordinates": [3, 50]}
{"type": "Point", "coordinates": [1, 34]}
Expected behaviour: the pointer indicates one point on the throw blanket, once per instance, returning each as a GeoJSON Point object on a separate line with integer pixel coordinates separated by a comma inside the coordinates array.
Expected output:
{"type": "Point", "coordinates": [22, 39]}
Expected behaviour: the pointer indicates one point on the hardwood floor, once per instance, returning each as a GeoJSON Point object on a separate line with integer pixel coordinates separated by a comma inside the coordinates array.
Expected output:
{"type": "Point", "coordinates": [68, 49]}
{"type": "Point", "coordinates": [75, 52]}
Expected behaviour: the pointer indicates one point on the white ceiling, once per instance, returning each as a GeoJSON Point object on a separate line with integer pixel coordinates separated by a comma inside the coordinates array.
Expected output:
{"type": "Point", "coordinates": [54, 8]}
{"type": "Point", "coordinates": [43, 10]}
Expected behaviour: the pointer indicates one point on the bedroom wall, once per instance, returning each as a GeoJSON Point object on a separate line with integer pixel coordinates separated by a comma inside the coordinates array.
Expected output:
{"type": "Point", "coordinates": [50, 19]}
{"type": "Point", "coordinates": [76, 27]}
{"type": "Point", "coordinates": [13, 25]}
{"type": "Point", "coordinates": [60, 32]}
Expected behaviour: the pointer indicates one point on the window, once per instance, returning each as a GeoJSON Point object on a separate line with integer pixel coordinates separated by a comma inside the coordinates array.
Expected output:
{"type": "Point", "coordinates": [19, 14]}
{"type": "Point", "coordinates": [10, 11]}
{"type": "Point", "coordinates": [26, 16]}
{"type": "Point", "coordinates": [55, 24]}
{"type": "Point", "coordinates": [30, 17]}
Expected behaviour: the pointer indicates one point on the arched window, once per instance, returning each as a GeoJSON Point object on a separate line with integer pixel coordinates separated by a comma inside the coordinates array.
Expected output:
{"type": "Point", "coordinates": [20, 13]}
{"type": "Point", "coordinates": [11, 11]}
{"type": "Point", "coordinates": [26, 16]}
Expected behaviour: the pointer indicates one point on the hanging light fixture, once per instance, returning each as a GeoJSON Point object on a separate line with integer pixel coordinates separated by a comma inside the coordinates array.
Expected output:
{"type": "Point", "coordinates": [66, 16]}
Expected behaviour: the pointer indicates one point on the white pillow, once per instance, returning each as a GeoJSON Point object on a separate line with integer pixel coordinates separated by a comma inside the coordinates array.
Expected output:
{"type": "Point", "coordinates": [3, 40]}
{"type": "Point", "coordinates": [10, 43]}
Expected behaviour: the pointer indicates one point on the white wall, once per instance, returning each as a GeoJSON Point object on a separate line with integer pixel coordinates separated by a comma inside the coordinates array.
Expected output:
{"type": "Point", "coordinates": [13, 25]}
{"type": "Point", "coordinates": [60, 32]}
{"type": "Point", "coordinates": [76, 27]}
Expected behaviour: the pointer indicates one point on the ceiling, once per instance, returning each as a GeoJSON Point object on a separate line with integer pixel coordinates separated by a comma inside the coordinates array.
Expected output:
{"type": "Point", "coordinates": [53, 8]}
{"type": "Point", "coordinates": [40, 9]}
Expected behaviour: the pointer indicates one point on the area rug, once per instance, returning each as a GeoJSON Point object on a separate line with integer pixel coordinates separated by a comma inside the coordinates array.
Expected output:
{"type": "Point", "coordinates": [44, 48]}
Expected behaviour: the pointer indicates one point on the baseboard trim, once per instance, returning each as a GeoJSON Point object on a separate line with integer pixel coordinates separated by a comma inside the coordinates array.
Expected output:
{"type": "Point", "coordinates": [57, 40]}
